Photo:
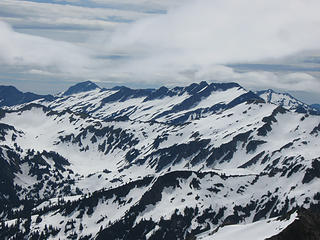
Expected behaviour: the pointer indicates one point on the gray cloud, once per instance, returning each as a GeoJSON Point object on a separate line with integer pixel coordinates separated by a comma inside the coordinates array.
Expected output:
{"type": "Point", "coordinates": [28, 14]}
{"type": "Point", "coordinates": [206, 31]}
{"type": "Point", "coordinates": [18, 49]}
{"type": "Point", "coordinates": [193, 41]}
{"type": "Point", "coordinates": [262, 79]}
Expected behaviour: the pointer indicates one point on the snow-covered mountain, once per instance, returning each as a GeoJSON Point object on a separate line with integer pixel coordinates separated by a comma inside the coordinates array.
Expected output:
{"type": "Point", "coordinates": [179, 163]}
{"type": "Point", "coordinates": [175, 106]}
{"type": "Point", "coordinates": [287, 101]}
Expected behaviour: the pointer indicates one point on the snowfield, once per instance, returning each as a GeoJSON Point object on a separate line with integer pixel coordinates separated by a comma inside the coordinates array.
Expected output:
{"type": "Point", "coordinates": [252, 231]}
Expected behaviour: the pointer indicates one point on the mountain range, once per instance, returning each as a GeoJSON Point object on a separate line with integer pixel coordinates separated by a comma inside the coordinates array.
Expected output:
{"type": "Point", "coordinates": [204, 161]}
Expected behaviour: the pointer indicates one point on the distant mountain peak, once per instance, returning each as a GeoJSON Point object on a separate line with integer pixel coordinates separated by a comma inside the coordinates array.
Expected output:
{"type": "Point", "coordinates": [285, 100]}
{"type": "Point", "coordinates": [81, 87]}
{"type": "Point", "coordinates": [10, 96]}
{"type": "Point", "coordinates": [271, 91]}
{"type": "Point", "coordinates": [118, 87]}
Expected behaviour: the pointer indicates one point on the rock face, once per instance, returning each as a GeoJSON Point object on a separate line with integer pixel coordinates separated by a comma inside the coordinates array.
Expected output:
{"type": "Point", "coordinates": [161, 163]}
{"type": "Point", "coordinates": [306, 227]}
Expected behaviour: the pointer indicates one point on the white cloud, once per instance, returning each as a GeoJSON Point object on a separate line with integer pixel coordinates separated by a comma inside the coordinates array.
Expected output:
{"type": "Point", "coordinates": [19, 49]}
{"type": "Point", "coordinates": [191, 42]}
{"type": "Point", "coordinates": [205, 33]}
{"type": "Point", "coordinates": [220, 31]}
{"type": "Point", "coordinates": [260, 79]}
{"type": "Point", "coordinates": [39, 72]}
{"type": "Point", "coordinates": [28, 14]}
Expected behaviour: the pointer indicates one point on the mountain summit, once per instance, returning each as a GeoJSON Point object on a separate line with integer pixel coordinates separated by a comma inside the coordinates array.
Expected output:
{"type": "Point", "coordinates": [81, 87]}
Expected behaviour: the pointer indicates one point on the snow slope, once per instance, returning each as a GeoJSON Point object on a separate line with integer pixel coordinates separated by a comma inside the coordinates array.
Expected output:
{"type": "Point", "coordinates": [252, 231]}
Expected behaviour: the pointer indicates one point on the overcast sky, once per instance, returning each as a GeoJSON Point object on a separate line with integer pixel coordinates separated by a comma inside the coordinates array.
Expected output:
{"type": "Point", "coordinates": [46, 46]}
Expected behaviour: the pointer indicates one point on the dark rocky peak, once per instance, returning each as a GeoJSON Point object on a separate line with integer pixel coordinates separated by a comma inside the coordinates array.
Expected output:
{"type": "Point", "coordinates": [178, 90]}
{"type": "Point", "coordinates": [196, 87]}
{"type": "Point", "coordinates": [224, 86]}
{"type": "Point", "coordinates": [164, 92]}
{"type": "Point", "coordinates": [159, 93]}
{"type": "Point", "coordinates": [81, 87]}
{"type": "Point", "coordinates": [10, 96]}
{"type": "Point", "coordinates": [9, 90]}
{"type": "Point", "coordinates": [203, 90]}
{"type": "Point", "coordinates": [118, 88]}
{"type": "Point", "coordinates": [249, 97]}
{"type": "Point", "coordinates": [125, 93]}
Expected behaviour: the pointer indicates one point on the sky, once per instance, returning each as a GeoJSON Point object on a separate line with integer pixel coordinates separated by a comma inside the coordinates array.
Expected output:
{"type": "Point", "coordinates": [46, 46]}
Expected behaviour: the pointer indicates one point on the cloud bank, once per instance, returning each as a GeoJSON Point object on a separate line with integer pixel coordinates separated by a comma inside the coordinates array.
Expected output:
{"type": "Point", "coordinates": [20, 49]}
{"type": "Point", "coordinates": [219, 31]}
{"type": "Point", "coordinates": [191, 42]}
